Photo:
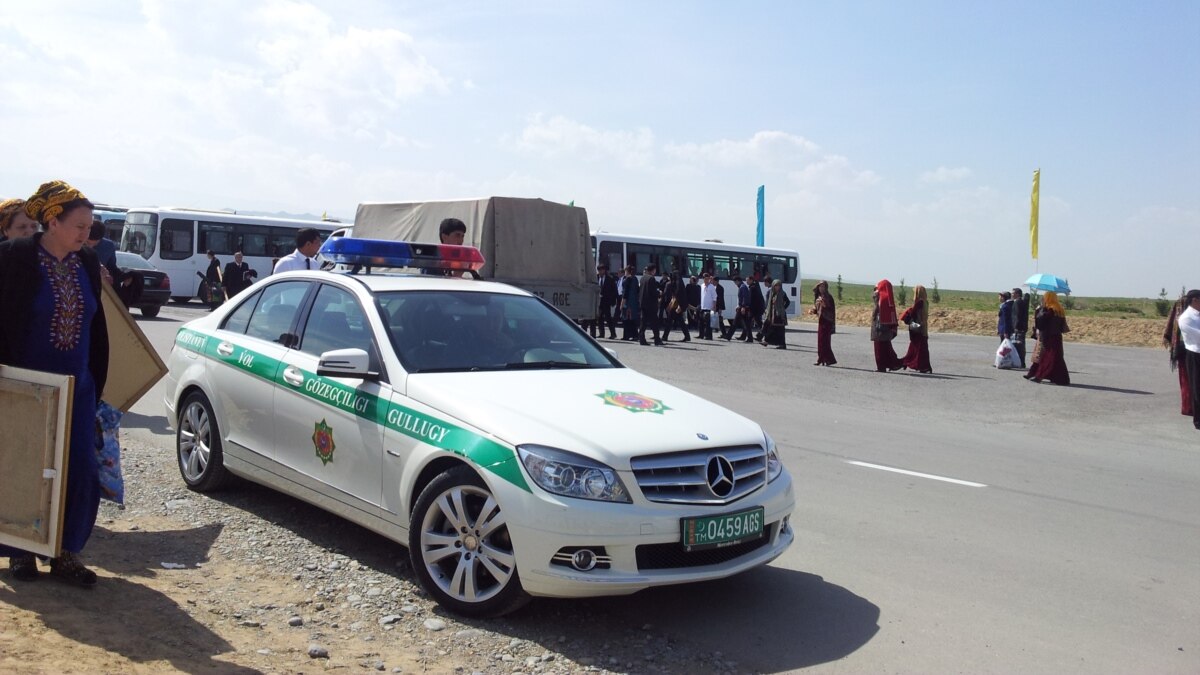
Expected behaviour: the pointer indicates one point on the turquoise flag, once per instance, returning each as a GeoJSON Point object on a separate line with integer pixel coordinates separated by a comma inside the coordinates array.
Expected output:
{"type": "Point", "coordinates": [761, 226]}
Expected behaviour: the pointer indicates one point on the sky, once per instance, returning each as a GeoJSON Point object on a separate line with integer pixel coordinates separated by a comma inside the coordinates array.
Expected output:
{"type": "Point", "coordinates": [894, 139]}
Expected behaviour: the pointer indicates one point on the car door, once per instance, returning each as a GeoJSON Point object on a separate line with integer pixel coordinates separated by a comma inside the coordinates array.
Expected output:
{"type": "Point", "coordinates": [327, 427]}
{"type": "Point", "coordinates": [251, 343]}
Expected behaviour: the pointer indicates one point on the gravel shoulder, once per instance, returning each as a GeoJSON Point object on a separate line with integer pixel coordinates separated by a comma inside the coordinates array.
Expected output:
{"type": "Point", "coordinates": [261, 582]}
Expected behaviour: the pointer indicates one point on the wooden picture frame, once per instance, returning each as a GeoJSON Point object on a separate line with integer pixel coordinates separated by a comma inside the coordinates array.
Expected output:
{"type": "Point", "coordinates": [36, 428]}
{"type": "Point", "coordinates": [133, 364]}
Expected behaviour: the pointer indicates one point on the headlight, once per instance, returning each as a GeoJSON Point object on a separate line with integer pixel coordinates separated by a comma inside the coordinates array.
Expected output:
{"type": "Point", "coordinates": [774, 465]}
{"type": "Point", "coordinates": [571, 475]}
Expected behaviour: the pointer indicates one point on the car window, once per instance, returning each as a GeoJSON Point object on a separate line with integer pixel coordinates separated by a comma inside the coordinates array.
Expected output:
{"type": "Point", "coordinates": [336, 321]}
{"type": "Point", "coordinates": [239, 318]}
{"type": "Point", "coordinates": [461, 330]}
{"type": "Point", "coordinates": [275, 311]}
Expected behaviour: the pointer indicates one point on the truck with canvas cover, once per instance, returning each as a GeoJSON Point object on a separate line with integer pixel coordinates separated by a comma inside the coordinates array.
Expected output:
{"type": "Point", "coordinates": [540, 246]}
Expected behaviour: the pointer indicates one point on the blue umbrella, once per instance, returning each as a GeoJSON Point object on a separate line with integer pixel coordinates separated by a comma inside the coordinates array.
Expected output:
{"type": "Point", "coordinates": [1048, 282]}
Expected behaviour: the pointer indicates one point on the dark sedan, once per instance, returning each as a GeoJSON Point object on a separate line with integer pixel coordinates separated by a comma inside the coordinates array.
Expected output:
{"type": "Point", "coordinates": [156, 285]}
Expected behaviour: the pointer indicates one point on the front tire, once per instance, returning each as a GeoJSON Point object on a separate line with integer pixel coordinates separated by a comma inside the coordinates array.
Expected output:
{"type": "Point", "coordinates": [460, 547]}
{"type": "Point", "coordinates": [198, 445]}
{"type": "Point", "coordinates": [151, 312]}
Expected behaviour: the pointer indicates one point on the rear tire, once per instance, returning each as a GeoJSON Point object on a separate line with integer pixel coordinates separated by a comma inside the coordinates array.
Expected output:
{"type": "Point", "coordinates": [198, 445]}
{"type": "Point", "coordinates": [460, 547]}
{"type": "Point", "coordinates": [151, 312]}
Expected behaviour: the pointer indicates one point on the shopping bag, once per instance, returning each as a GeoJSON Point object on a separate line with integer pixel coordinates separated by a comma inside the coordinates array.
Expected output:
{"type": "Point", "coordinates": [1006, 356]}
{"type": "Point", "coordinates": [108, 453]}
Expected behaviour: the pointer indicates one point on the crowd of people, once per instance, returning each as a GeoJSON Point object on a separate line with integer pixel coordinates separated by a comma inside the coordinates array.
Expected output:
{"type": "Point", "coordinates": [659, 306]}
{"type": "Point", "coordinates": [650, 304]}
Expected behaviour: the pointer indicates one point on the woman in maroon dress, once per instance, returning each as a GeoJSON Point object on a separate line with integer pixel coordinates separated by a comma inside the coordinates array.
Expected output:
{"type": "Point", "coordinates": [1051, 322]}
{"type": "Point", "coordinates": [917, 318]}
{"type": "Point", "coordinates": [1173, 341]}
{"type": "Point", "coordinates": [824, 309]}
{"type": "Point", "coordinates": [883, 327]}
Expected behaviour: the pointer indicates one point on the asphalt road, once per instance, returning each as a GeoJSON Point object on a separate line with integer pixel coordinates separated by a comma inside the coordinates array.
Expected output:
{"type": "Point", "coordinates": [1041, 529]}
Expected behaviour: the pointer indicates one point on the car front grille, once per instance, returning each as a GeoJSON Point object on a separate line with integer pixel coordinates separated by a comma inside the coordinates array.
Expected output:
{"type": "Point", "coordinates": [693, 476]}
{"type": "Point", "coordinates": [674, 556]}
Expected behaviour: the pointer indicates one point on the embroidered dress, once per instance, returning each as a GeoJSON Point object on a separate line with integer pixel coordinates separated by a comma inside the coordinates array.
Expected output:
{"type": "Point", "coordinates": [58, 342]}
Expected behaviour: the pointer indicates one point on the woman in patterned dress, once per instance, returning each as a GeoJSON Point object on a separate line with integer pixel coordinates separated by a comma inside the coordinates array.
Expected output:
{"type": "Point", "coordinates": [54, 322]}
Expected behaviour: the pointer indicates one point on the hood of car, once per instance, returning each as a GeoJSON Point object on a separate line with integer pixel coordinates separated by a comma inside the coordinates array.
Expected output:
{"type": "Point", "coordinates": [609, 414]}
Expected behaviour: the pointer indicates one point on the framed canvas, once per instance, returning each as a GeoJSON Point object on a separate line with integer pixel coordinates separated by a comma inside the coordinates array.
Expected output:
{"type": "Point", "coordinates": [36, 428]}
{"type": "Point", "coordinates": [133, 364]}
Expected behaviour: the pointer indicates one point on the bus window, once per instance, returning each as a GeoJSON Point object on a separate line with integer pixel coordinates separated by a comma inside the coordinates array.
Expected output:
{"type": "Point", "coordinates": [176, 239]}
{"type": "Point", "coordinates": [218, 238]}
{"type": "Point", "coordinates": [281, 242]}
{"type": "Point", "coordinates": [610, 254]}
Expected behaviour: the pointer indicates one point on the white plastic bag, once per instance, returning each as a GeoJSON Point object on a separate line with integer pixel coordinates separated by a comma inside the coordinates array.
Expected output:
{"type": "Point", "coordinates": [1006, 356]}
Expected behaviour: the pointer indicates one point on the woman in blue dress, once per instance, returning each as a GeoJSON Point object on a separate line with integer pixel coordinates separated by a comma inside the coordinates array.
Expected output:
{"type": "Point", "coordinates": [53, 322]}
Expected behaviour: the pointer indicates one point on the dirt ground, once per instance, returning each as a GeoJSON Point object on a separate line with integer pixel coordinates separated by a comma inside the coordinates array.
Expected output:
{"type": "Point", "coordinates": [1094, 330]}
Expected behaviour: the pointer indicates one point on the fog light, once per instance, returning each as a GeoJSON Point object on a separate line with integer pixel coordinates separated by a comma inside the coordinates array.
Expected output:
{"type": "Point", "coordinates": [583, 560]}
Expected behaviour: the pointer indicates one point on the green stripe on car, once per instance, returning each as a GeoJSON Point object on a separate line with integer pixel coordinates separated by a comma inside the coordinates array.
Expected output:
{"type": "Point", "coordinates": [486, 453]}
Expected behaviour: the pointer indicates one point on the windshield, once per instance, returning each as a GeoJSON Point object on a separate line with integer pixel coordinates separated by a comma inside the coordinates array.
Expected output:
{"type": "Point", "coordinates": [140, 234]}
{"type": "Point", "coordinates": [447, 331]}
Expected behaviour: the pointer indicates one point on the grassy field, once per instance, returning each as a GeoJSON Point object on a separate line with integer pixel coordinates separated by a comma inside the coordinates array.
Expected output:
{"type": "Point", "coordinates": [984, 301]}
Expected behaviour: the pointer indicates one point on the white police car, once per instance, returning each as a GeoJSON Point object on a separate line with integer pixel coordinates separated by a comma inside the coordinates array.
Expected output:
{"type": "Point", "coordinates": [476, 425]}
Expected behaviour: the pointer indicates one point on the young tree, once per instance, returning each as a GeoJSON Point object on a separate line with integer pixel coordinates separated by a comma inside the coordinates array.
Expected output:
{"type": "Point", "coordinates": [935, 297]}
{"type": "Point", "coordinates": [1162, 304]}
{"type": "Point", "coordinates": [839, 288]}
{"type": "Point", "coordinates": [902, 293]}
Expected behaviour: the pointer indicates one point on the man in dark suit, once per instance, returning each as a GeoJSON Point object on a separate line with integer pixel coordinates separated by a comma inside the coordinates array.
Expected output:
{"type": "Point", "coordinates": [1020, 322]}
{"type": "Point", "coordinates": [676, 291]}
{"type": "Point", "coordinates": [693, 302]}
{"type": "Point", "coordinates": [238, 276]}
{"type": "Point", "coordinates": [608, 297]}
{"type": "Point", "coordinates": [648, 303]}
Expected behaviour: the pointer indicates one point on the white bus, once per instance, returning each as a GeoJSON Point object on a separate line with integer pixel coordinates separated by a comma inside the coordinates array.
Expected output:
{"type": "Point", "coordinates": [176, 241]}
{"type": "Point", "coordinates": [700, 257]}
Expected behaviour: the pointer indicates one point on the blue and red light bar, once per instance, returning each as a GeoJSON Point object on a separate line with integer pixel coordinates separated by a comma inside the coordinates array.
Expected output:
{"type": "Point", "coordinates": [384, 253]}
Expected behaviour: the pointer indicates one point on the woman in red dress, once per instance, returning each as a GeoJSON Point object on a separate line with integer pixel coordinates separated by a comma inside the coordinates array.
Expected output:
{"type": "Point", "coordinates": [917, 318]}
{"type": "Point", "coordinates": [1051, 322]}
{"type": "Point", "coordinates": [824, 309]}
{"type": "Point", "coordinates": [883, 327]}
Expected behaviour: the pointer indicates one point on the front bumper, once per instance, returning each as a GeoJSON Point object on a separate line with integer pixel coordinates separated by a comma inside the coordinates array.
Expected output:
{"type": "Point", "coordinates": [542, 525]}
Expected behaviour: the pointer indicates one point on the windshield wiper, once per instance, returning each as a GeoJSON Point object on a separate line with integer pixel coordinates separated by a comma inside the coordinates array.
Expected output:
{"type": "Point", "coordinates": [536, 365]}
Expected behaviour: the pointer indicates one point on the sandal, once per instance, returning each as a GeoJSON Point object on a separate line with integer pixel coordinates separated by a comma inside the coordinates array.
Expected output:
{"type": "Point", "coordinates": [23, 568]}
{"type": "Point", "coordinates": [68, 568]}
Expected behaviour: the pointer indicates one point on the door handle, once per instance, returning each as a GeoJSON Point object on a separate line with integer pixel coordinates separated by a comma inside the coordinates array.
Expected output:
{"type": "Point", "coordinates": [224, 349]}
{"type": "Point", "coordinates": [293, 376]}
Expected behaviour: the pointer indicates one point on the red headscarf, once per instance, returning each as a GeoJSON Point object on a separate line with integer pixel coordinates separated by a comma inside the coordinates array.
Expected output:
{"type": "Point", "coordinates": [887, 306]}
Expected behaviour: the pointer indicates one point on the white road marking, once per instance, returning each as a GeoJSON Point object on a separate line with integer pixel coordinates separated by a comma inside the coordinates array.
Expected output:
{"type": "Point", "coordinates": [916, 473]}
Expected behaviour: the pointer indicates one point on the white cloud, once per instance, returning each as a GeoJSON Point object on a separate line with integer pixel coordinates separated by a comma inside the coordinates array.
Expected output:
{"type": "Point", "coordinates": [764, 149]}
{"type": "Point", "coordinates": [945, 175]}
{"type": "Point", "coordinates": [833, 172]}
{"type": "Point", "coordinates": [558, 137]}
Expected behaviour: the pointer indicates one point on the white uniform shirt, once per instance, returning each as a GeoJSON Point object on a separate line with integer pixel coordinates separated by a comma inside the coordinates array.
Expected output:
{"type": "Point", "coordinates": [1189, 327]}
{"type": "Point", "coordinates": [708, 297]}
{"type": "Point", "coordinates": [296, 261]}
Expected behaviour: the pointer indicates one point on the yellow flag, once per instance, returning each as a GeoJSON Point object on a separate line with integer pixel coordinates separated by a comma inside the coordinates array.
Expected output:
{"type": "Point", "coordinates": [1033, 214]}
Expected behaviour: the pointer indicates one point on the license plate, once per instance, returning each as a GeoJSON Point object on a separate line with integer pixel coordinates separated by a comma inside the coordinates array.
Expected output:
{"type": "Point", "coordinates": [724, 530]}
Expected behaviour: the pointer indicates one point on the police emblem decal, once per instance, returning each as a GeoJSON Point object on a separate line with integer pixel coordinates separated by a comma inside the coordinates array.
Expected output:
{"type": "Point", "coordinates": [635, 403]}
{"type": "Point", "coordinates": [323, 442]}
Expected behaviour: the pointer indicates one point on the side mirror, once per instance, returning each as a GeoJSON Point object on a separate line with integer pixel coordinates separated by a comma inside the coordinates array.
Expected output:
{"type": "Point", "coordinates": [354, 363]}
{"type": "Point", "coordinates": [611, 352]}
